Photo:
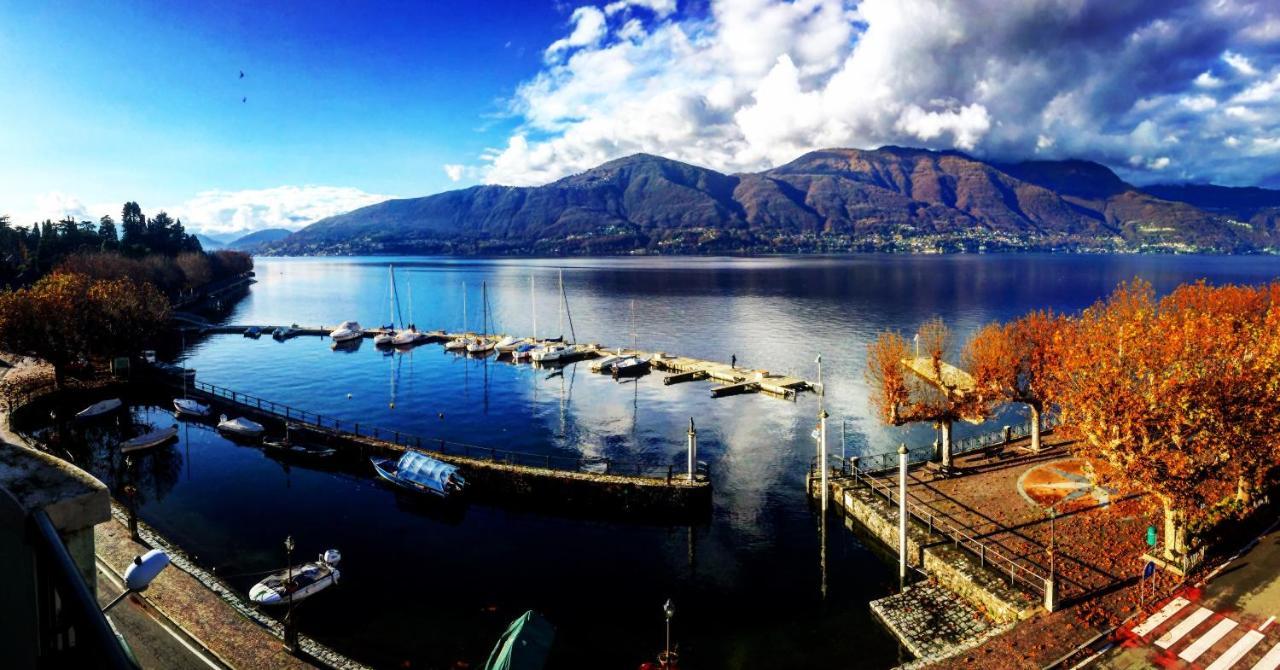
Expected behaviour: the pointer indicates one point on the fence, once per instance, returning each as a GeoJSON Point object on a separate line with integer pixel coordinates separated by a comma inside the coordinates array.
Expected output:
{"type": "Point", "coordinates": [872, 463]}
{"type": "Point", "coordinates": [607, 466]}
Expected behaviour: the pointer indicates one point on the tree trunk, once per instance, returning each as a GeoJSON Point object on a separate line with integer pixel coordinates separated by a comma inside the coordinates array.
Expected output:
{"type": "Point", "coordinates": [1035, 427]}
{"type": "Point", "coordinates": [946, 442]}
{"type": "Point", "coordinates": [59, 375]}
{"type": "Point", "coordinates": [1175, 534]}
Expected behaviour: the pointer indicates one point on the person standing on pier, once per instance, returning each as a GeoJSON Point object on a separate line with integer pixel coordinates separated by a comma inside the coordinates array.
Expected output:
{"type": "Point", "coordinates": [733, 362]}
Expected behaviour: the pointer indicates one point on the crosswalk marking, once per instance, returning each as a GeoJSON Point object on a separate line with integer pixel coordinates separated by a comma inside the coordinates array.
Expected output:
{"type": "Point", "coordinates": [1185, 626]}
{"type": "Point", "coordinates": [1237, 651]}
{"type": "Point", "coordinates": [1207, 640]}
{"type": "Point", "coordinates": [1270, 661]}
{"type": "Point", "coordinates": [1153, 622]}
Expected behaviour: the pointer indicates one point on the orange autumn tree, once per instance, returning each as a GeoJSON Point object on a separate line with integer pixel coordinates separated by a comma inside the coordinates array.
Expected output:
{"type": "Point", "coordinates": [910, 389]}
{"type": "Point", "coordinates": [1011, 363]}
{"type": "Point", "coordinates": [1177, 394]}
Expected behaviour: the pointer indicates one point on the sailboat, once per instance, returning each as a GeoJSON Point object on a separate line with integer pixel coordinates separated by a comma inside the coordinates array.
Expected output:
{"type": "Point", "coordinates": [388, 336]}
{"type": "Point", "coordinates": [635, 365]}
{"type": "Point", "coordinates": [484, 343]}
{"type": "Point", "coordinates": [524, 351]}
{"type": "Point", "coordinates": [463, 341]}
{"type": "Point", "coordinates": [298, 582]}
{"type": "Point", "coordinates": [558, 351]}
{"type": "Point", "coordinates": [410, 335]}
{"type": "Point", "coordinates": [184, 405]}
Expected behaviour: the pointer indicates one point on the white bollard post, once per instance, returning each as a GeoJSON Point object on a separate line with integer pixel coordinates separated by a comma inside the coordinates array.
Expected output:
{"type": "Point", "coordinates": [902, 515]}
{"type": "Point", "coordinates": [822, 454]}
{"type": "Point", "coordinates": [693, 450]}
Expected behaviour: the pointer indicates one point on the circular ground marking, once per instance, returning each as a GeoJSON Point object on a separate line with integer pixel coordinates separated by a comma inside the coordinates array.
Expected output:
{"type": "Point", "coordinates": [1065, 485]}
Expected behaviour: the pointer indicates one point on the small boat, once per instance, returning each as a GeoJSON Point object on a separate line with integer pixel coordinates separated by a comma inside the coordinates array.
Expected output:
{"type": "Point", "coordinates": [285, 332]}
{"type": "Point", "coordinates": [239, 426]}
{"type": "Point", "coordinates": [524, 352]}
{"type": "Point", "coordinates": [99, 408]}
{"type": "Point", "coordinates": [386, 338]}
{"type": "Point", "coordinates": [253, 331]}
{"type": "Point", "coordinates": [608, 363]}
{"type": "Point", "coordinates": [190, 407]}
{"type": "Point", "coordinates": [632, 367]}
{"type": "Point", "coordinates": [457, 343]}
{"type": "Point", "coordinates": [148, 440]}
{"type": "Point", "coordinates": [289, 447]}
{"type": "Point", "coordinates": [549, 353]}
{"type": "Point", "coordinates": [480, 345]}
{"type": "Point", "coordinates": [347, 331]}
{"type": "Point", "coordinates": [483, 344]}
{"type": "Point", "coordinates": [524, 645]}
{"type": "Point", "coordinates": [408, 337]}
{"type": "Point", "coordinates": [417, 471]}
{"type": "Point", "coordinates": [507, 344]}
{"type": "Point", "coordinates": [299, 582]}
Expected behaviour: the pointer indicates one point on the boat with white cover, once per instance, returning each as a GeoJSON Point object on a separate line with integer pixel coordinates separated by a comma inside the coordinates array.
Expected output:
{"type": "Point", "coordinates": [299, 582]}
{"type": "Point", "coordinates": [631, 367]}
{"type": "Point", "coordinates": [417, 471]}
{"type": "Point", "coordinates": [239, 426]}
{"type": "Point", "coordinates": [148, 440]}
{"type": "Point", "coordinates": [99, 408]}
{"type": "Point", "coordinates": [347, 331]}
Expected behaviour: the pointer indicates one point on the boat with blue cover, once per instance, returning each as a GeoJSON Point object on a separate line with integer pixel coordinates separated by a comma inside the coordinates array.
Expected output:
{"type": "Point", "coordinates": [417, 471]}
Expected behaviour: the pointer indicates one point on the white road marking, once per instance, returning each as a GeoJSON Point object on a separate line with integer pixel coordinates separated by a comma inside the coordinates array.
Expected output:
{"type": "Point", "coordinates": [1207, 640]}
{"type": "Point", "coordinates": [1237, 651]}
{"type": "Point", "coordinates": [181, 639]}
{"type": "Point", "coordinates": [1266, 623]}
{"type": "Point", "coordinates": [1270, 661]}
{"type": "Point", "coordinates": [1153, 622]}
{"type": "Point", "coordinates": [1197, 617]}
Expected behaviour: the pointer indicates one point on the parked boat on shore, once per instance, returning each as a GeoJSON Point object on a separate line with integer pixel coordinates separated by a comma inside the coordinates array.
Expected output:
{"type": "Point", "coordinates": [298, 583]}
{"type": "Point", "coordinates": [99, 408]}
{"type": "Point", "coordinates": [417, 471]}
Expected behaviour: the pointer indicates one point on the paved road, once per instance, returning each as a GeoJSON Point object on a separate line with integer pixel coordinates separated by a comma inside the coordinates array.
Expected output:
{"type": "Point", "coordinates": [155, 644]}
{"type": "Point", "coordinates": [1229, 624]}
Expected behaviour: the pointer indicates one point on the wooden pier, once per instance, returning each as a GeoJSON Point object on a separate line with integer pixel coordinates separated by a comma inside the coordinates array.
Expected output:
{"type": "Point", "coordinates": [733, 380]}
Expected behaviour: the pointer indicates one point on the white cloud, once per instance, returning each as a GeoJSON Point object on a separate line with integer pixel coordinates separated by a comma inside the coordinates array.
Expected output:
{"type": "Point", "coordinates": [1240, 63]}
{"type": "Point", "coordinates": [749, 84]}
{"type": "Point", "coordinates": [56, 205]}
{"type": "Point", "coordinates": [293, 207]}
{"type": "Point", "coordinates": [588, 28]}
{"type": "Point", "coordinates": [454, 171]}
{"type": "Point", "coordinates": [1263, 91]}
{"type": "Point", "coordinates": [1159, 163]}
{"type": "Point", "coordinates": [1207, 80]}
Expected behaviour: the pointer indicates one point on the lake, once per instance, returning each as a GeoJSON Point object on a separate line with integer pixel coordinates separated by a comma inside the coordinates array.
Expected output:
{"type": "Point", "coordinates": [759, 582]}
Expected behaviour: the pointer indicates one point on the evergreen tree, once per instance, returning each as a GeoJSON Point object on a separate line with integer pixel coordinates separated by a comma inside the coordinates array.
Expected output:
{"type": "Point", "coordinates": [134, 227]}
{"type": "Point", "coordinates": [107, 239]}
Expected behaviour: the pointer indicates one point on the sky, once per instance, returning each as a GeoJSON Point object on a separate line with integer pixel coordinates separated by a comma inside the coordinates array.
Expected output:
{"type": "Point", "coordinates": [344, 104]}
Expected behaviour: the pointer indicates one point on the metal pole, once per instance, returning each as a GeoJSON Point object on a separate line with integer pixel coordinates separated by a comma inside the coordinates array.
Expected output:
{"type": "Point", "coordinates": [290, 639]}
{"type": "Point", "coordinates": [693, 450]}
{"type": "Point", "coordinates": [902, 515]}
{"type": "Point", "coordinates": [822, 454]}
{"type": "Point", "coordinates": [822, 390]}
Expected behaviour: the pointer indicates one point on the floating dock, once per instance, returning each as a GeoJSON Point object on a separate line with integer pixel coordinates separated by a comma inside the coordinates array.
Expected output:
{"type": "Point", "coordinates": [733, 380]}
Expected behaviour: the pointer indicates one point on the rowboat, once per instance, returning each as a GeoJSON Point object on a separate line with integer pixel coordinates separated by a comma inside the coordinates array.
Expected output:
{"type": "Point", "coordinates": [189, 407]}
{"type": "Point", "coordinates": [99, 408]}
{"type": "Point", "coordinates": [416, 471]}
{"type": "Point", "coordinates": [148, 440]}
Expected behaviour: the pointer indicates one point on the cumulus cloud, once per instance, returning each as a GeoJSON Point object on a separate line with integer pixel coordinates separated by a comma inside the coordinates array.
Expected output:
{"type": "Point", "coordinates": [292, 207]}
{"type": "Point", "coordinates": [56, 205]}
{"type": "Point", "coordinates": [748, 84]}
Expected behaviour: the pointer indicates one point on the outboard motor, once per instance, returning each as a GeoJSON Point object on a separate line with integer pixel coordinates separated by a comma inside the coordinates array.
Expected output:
{"type": "Point", "coordinates": [331, 556]}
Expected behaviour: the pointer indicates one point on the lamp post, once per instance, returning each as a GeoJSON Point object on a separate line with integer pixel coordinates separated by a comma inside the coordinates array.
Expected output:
{"type": "Point", "coordinates": [902, 515]}
{"type": "Point", "coordinates": [822, 454]}
{"type": "Point", "coordinates": [290, 630]}
{"type": "Point", "coordinates": [693, 450]}
{"type": "Point", "coordinates": [669, 611]}
{"type": "Point", "coordinates": [822, 390]}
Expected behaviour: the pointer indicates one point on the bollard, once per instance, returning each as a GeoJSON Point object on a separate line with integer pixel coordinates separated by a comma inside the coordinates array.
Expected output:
{"type": "Point", "coordinates": [693, 450]}
{"type": "Point", "coordinates": [1008, 434]}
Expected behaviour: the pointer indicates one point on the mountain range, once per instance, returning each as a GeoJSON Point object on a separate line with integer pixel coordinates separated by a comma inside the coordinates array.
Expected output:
{"type": "Point", "coordinates": [243, 242]}
{"type": "Point", "coordinates": [832, 200]}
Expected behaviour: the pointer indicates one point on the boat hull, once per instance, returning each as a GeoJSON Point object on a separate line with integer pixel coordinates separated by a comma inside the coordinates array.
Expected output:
{"type": "Point", "coordinates": [153, 439]}
{"type": "Point", "coordinates": [99, 409]}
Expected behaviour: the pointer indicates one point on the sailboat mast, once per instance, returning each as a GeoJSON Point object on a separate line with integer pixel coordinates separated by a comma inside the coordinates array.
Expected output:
{"type": "Point", "coordinates": [533, 308]}
{"type": "Point", "coordinates": [573, 337]}
{"type": "Point", "coordinates": [633, 323]}
{"type": "Point", "coordinates": [484, 304]}
{"type": "Point", "coordinates": [562, 305]}
{"type": "Point", "coordinates": [464, 308]}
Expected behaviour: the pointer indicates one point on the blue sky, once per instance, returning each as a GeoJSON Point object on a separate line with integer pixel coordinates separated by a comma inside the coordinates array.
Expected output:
{"type": "Point", "coordinates": [350, 103]}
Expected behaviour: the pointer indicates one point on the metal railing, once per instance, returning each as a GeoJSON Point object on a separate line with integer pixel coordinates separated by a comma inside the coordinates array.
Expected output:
{"type": "Point", "coordinates": [650, 469]}
{"type": "Point", "coordinates": [73, 631]}
{"type": "Point", "coordinates": [872, 463]}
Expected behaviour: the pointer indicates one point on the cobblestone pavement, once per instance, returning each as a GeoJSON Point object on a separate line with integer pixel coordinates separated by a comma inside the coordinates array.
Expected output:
{"type": "Point", "coordinates": [931, 621]}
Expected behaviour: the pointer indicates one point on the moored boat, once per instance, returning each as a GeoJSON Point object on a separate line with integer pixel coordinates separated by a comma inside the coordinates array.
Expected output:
{"type": "Point", "coordinates": [298, 582]}
{"type": "Point", "coordinates": [253, 331]}
{"type": "Point", "coordinates": [154, 438]}
{"type": "Point", "coordinates": [99, 408]}
{"type": "Point", "coordinates": [189, 407]}
{"type": "Point", "coordinates": [631, 367]}
{"type": "Point", "coordinates": [239, 426]}
{"type": "Point", "coordinates": [285, 332]}
{"type": "Point", "coordinates": [347, 331]}
{"type": "Point", "coordinates": [417, 471]}
{"type": "Point", "coordinates": [288, 446]}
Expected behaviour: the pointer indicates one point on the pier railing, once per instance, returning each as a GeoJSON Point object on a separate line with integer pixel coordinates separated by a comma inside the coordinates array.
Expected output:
{"type": "Point", "coordinates": [873, 463]}
{"type": "Point", "coordinates": [598, 465]}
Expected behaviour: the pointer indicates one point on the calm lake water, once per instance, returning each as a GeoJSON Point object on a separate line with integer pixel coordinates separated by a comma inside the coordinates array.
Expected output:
{"type": "Point", "coordinates": [753, 584]}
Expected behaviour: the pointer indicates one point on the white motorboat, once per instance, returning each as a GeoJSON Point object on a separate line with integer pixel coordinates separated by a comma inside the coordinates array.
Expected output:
{"type": "Point", "coordinates": [508, 344]}
{"type": "Point", "coordinates": [631, 367]}
{"type": "Point", "coordinates": [384, 339]}
{"type": "Point", "coordinates": [549, 352]}
{"type": "Point", "coordinates": [188, 407]}
{"type": "Point", "coordinates": [148, 440]}
{"type": "Point", "coordinates": [298, 582]}
{"type": "Point", "coordinates": [347, 331]}
{"type": "Point", "coordinates": [480, 345]}
{"type": "Point", "coordinates": [457, 343]}
{"type": "Point", "coordinates": [408, 337]}
{"type": "Point", "coordinates": [607, 363]}
{"type": "Point", "coordinates": [99, 408]}
{"type": "Point", "coordinates": [239, 426]}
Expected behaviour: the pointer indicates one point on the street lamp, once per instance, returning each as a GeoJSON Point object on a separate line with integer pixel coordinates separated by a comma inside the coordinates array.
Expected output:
{"type": "Point", "coordinates": [669, 611]}
{"type": "Point", "coordinates": [290, 632]}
